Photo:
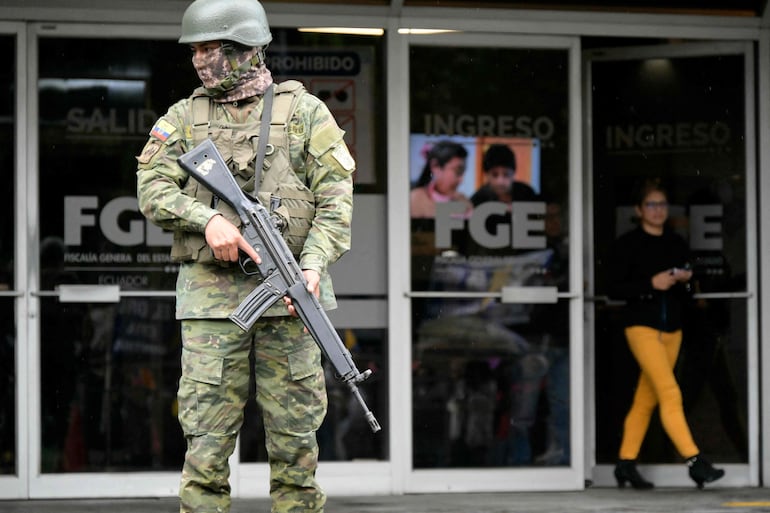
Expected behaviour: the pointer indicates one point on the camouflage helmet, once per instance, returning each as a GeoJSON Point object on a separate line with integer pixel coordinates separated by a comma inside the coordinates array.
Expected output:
{"type": "Point", "coordinates": [241, 21]}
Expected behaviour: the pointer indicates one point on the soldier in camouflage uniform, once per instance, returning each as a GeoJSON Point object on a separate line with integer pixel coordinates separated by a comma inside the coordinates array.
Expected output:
{"type": "Point", "coordinates": [309, 167]}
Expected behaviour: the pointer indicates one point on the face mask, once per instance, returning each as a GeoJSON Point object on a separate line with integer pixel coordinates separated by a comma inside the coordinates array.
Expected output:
{"type": "Point", "coordinates": [212, 66]}
{"type": "Point", "coordinates": [220, 67]}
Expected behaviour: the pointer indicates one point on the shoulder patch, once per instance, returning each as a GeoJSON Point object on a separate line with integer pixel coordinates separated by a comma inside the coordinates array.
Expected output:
{"type": "Point", "coordinates": [150, 149]}
{"type": "Point", "coordinates": [162, 130]}
{"type": "Point", "coordinates": [343, 156]}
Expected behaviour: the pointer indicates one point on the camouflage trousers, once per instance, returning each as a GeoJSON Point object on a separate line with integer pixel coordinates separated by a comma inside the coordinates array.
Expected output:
{"type": "Point", "coordinates": [213, 391]}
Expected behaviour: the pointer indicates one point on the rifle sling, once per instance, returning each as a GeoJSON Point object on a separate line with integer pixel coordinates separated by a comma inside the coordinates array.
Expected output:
{"type": "Point", "coordinates": [264, 133]}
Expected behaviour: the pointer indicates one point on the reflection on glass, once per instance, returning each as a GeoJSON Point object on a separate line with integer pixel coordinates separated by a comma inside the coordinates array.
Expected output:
{"type": "Point", "coordinates": [491, 383]}
{"type": "Point", "coordinates": [108, 397]}
{"type": "Point", "coordinates": [7, 246]}
{"type": "Point", "coordinates": [7, 387]}
{"type": "Point", "coordinates": [490, 379]}
{"type": "Point", "coordinates": [95, 115]}
{"type": "Point", "coordinates": [7, 161]}
{"type": "Point", "coordinates": [354, 93]}
{"type": "Point", "coordinates": [108, 372]}
{"type": "Point", "coordinates": [345, 434]}
{"type": "Point", "coordinates": [713, 376]}
{"type": "Point", "coordinates": [346, 72]}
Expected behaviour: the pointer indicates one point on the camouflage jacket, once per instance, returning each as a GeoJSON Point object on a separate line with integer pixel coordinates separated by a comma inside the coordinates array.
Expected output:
{"type": "Point", "coordinates": [318, 156]}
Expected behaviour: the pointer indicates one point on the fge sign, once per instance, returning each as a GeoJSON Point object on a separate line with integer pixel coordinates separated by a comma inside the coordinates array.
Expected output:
{"type": "Point", "coordinates": [526, 231]}
{"type": "Point", "coordinates": [83, 213]}
{"type": "Point", "coordinates": [703, 228]}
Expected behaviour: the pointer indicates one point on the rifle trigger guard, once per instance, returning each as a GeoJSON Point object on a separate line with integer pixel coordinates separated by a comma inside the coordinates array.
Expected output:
{"type": "Point", "coordinates": [248, 266]}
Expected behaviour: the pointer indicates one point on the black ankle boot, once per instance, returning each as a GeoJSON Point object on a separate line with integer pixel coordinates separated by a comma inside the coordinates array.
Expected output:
{"type": "Point", "coordinates": [626, 470]}
{"type": "Point", "coordinates": [701, 471]}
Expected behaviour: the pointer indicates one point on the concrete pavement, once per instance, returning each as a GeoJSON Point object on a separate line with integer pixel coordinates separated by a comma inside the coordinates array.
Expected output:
{"type": "Point", "coordinates": [592, 500]}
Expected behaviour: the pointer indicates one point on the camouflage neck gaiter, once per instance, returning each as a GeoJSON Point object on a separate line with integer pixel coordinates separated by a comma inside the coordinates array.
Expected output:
{"type": "Point", "coordinates": [230, 73]}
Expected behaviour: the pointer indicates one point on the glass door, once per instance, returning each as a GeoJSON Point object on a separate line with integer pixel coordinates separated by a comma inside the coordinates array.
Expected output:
{"type": "Point", "coordinates": [681, 114]}
{"type": "Point", "coordinates": [493, 294]}
{"type": "Point", "coordinates": [12, 269]}
{"type": "Point", "coordinates": [103, 336]}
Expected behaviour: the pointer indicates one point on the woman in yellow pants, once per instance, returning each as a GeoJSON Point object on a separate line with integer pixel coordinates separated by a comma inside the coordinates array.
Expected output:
{"type": "Point", "coordinates": [649, 269]}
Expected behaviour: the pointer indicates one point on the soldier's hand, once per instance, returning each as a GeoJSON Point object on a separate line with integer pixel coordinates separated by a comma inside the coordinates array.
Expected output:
{"type": "Point", "coordinates": [224, 239]}
{"type": "Point", "coordinates": [313, 280]}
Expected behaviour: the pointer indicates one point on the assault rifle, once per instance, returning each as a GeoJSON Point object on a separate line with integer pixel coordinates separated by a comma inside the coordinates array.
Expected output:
{"type": "Point", "coordinates": [280, 272]}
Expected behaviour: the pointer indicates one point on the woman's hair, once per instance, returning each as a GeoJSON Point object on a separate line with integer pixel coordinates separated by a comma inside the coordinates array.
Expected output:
{"type": "Point", "coordinates": [442, 152]}
{"type": "Point", "coordinates": [647, 186]}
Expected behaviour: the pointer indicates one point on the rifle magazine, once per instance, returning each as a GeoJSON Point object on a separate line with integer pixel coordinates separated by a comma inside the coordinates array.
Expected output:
{"type": "Point", "coordinates": [256, 303]}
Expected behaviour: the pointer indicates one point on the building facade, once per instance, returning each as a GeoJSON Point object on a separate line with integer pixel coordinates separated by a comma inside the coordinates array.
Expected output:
{"type": "Point", "coordinates": [498, 362]}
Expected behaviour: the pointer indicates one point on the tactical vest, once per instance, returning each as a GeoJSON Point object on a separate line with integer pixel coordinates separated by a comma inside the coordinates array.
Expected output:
{"type": "Point", "coordinates": [280, 189]}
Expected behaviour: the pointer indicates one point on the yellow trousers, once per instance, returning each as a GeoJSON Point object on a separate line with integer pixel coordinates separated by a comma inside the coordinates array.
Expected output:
{"type": "Point", "coordinates": [656, 352]}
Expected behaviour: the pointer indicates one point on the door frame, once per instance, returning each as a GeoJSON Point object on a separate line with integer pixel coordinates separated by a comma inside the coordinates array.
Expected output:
{"type": "Point", "coordinates": [672, 475]}
{"type": "Point", "coordinates": [466, 480]}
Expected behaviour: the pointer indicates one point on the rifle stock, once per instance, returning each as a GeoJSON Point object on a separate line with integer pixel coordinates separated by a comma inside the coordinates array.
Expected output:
{"type": "Point", "coordinates": [282, 275]}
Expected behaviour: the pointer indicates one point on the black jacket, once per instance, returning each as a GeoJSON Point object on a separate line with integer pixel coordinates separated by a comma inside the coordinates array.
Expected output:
{"type": "Point", "coordinates": [635, 258]}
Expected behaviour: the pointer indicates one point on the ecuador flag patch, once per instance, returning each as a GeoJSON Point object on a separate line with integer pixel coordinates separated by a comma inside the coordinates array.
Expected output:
{"type": "Point", "coordinates": [162, 130]}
